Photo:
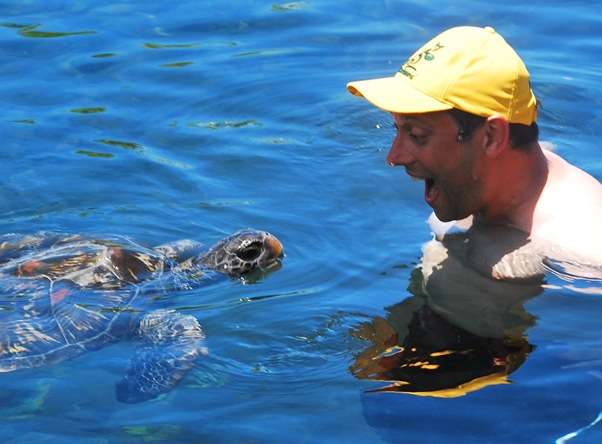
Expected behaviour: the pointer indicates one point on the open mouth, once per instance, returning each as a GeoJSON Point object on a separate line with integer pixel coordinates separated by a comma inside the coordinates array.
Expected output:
{"type": "Point", "coordinates": [431, 190]}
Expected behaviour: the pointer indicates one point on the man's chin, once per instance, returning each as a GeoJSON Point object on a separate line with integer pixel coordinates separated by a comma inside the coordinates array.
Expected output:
{"type": "Point", "coordinates": [450, 216]}
{"type": "Point", "coordinates": [443, 216]}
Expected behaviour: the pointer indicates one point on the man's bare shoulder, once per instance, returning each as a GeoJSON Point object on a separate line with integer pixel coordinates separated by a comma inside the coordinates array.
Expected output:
{"type": "Point", "coordinates": [568, 214]}
{"type": "Point", "coordinates": [564, 178]}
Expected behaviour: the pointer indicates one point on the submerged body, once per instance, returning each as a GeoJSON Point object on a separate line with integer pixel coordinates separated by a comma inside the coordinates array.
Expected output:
{"type": "Point", "coordinates": [64, 295]}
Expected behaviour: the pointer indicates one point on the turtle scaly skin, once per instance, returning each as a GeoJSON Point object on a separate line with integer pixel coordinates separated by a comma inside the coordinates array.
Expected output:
{"type": "Point", "coordinates": [63, 295]}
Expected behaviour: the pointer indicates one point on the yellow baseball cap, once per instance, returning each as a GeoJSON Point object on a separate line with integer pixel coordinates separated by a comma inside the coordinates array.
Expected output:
{"type": "Point", "coordinates": [468, 68]}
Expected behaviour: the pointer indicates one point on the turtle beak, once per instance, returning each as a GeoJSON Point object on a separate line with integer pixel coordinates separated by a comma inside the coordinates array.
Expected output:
{"type": "Point", "coordinates": [275, 246]}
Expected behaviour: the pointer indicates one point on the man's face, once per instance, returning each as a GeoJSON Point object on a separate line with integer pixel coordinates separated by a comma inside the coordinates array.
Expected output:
{"type": "Point", "coordinates": [427, 146]}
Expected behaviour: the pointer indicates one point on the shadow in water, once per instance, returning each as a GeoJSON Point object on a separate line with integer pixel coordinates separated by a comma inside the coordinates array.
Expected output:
{"type": "Point", "coordinates": [427, 355]}
{"type": "Point", "coordinates": [464, 327]}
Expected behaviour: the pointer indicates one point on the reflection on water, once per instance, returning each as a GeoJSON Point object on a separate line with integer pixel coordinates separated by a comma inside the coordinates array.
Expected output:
{"type": "Point", "coordinates": [421, 353]}
{"type": "Point", "coordinates": [571, 270]}
{"type": "Point", "coordinates": [92, 110]}
{"type": "Point", "coordinates": [31, 31]}
{"type": "Point", "coordinates": [465, 325]}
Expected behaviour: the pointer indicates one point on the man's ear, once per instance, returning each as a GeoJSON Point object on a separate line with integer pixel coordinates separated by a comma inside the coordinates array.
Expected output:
{"type": "Point", "coordinates": [497, 135]}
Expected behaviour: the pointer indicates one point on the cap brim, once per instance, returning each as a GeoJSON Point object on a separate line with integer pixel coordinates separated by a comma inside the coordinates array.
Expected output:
{"type": "Point", "coordinates": [397, 95]}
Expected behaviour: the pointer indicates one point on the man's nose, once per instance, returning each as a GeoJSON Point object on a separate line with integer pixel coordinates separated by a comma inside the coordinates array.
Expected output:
{"type": "Point", "coordinates": [399, 153]}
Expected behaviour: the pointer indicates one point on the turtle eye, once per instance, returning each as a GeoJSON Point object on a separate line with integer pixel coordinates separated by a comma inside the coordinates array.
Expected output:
{"type": "Point", "coordinates": [249, 252]}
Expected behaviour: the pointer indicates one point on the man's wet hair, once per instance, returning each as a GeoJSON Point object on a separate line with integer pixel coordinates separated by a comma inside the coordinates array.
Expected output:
{"type": "Point", "coordinates": [521, 136]}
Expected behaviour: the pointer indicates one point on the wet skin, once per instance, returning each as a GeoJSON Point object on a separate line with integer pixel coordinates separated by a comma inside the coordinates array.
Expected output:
{"type": "Point", "coordinates": [427, 145]}
{"type": "Point", "coordinates": [526, 188]}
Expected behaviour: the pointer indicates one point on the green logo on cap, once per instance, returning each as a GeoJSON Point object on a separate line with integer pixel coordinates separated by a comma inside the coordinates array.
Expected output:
{"type": "Point", "coordinates": [408, 69]}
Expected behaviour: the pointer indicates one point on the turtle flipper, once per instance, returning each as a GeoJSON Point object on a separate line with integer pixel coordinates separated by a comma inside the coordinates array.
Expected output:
{"type": "Point", "coordinates": [172, 342]}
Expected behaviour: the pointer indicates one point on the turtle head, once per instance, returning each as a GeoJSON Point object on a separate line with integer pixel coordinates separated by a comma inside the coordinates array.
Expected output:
{"type": "Point", "coordinates": [244, 253]}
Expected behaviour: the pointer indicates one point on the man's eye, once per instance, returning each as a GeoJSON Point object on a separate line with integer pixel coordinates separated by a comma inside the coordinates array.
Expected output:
{"type": "Point", "coordinates": [420, 138]}
{"type": "Point", "coordinates": [417, 138]}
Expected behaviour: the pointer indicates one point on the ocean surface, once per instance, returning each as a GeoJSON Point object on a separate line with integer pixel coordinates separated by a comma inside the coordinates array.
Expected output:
{"type": "Point", "coordinates": [162, 120]}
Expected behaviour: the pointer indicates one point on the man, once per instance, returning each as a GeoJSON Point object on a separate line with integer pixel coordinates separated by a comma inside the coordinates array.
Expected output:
{"type": "Point", "coordinates": [465, 116]}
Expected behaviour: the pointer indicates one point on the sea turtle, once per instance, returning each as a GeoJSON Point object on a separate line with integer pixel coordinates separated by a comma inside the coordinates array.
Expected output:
{"type": "Point", "coordinates": [62, 295]}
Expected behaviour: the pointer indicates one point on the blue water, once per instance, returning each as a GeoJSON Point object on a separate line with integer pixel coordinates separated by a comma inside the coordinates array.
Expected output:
{"type": "Point", "coordinates": [171, 120]}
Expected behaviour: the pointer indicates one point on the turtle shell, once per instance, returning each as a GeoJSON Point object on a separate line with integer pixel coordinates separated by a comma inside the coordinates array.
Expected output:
{"type": "Point", "coordinates": [63, 295]}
